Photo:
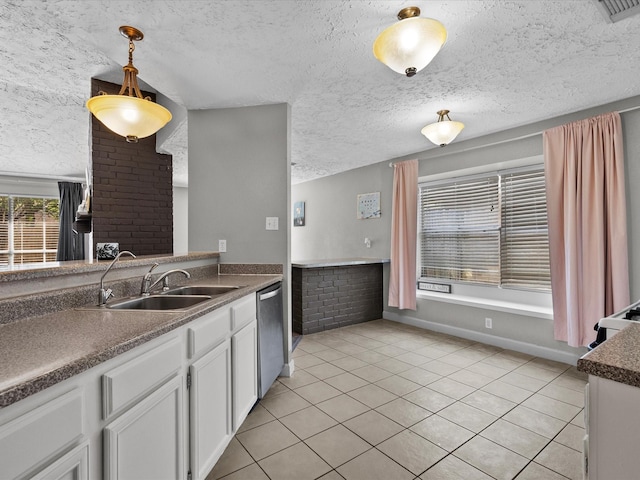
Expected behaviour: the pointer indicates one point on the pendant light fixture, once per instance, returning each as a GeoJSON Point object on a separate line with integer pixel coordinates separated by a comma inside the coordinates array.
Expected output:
{"type": "Point", "coordinates": [443, 132]}
{"type": "Point", "coordinates": [410, 44]}
{"type": "Point", "coordinates": [128, 113]}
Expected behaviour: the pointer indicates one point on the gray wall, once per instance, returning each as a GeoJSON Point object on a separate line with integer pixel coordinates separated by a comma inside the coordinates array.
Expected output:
{"type": "Point", "coordinates": [239, 174]}
{"type": "Point", "coordinates": [333, 232]}
{"type": "Point", "coordinates": [331, 229]}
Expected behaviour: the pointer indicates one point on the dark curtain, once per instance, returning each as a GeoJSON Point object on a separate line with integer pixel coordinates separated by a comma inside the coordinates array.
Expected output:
{"type": "Point", "coordinates": [70, 243]}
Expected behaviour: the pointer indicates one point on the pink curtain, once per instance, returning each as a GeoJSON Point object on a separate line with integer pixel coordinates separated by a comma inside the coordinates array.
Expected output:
{"type": "Point", "coordinates": [404, 230]}
{"type": "Point", "coordinates": [584, 170]}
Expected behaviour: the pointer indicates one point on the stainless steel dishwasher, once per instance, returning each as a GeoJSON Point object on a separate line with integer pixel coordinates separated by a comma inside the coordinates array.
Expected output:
{"type": "Point", "coordinates": [270, 336]}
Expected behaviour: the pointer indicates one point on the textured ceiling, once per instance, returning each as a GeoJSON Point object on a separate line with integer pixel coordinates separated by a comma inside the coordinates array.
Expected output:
{"type": "Point", "coordinates": [505, 63]}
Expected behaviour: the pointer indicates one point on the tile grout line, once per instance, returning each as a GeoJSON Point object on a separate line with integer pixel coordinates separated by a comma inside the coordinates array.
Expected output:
{"type": "Point", "coordinates": [410, 366]}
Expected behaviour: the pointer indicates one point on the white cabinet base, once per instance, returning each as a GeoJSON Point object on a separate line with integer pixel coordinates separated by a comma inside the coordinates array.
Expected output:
{"type": "Point", "coordinates": [613, 429]}
{"type": "Point", "coordinates": [210, 415]}
{"type": "Point", "coordinates": [244, 358]}
{"type": "Point", "coordinates": [147, 442]}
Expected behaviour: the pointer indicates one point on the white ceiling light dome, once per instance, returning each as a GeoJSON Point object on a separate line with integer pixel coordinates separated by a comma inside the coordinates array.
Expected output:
{"type": "Point", "coordinates": [410, 44]}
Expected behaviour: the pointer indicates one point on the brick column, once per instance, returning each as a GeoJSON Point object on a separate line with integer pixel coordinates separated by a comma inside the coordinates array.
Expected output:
{"type": "Point", "coordinates": [132, 200]}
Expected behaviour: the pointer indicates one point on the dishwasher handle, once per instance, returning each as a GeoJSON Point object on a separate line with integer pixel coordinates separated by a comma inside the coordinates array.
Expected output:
{"type": "Point", "coordinates": [268, 295]}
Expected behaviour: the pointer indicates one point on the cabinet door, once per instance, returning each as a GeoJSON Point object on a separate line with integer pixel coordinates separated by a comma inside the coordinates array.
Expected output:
{"type": "Point", "coordinates": [146, 442]}
{"type": "Point", "coordinates": [244, 352]}
{"type": "Point", "coordinates": [72, 466]}
{"type": "Point", "coordinates": [39, 436]}
{"type": "Point", "coordinates": [210, 412]}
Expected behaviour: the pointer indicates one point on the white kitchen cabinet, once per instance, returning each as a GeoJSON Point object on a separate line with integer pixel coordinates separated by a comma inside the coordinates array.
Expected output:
{"type": "Point", "coordinates": [244, 361]}
{"type": "Point", "coordinates": [147, 441]}
{"type": "Point", "coordinates": [613, 429]}
{"type": "Point", "coordinates": [211, 409]}
{"type": "Point", "coordinates": [42, 435]}
{"type": "Point", "coordinates": [131, 417]}
{"type": "Point", "coordinates": [72, 466]}
{"type": "Point", "coordinates": [125, 385]}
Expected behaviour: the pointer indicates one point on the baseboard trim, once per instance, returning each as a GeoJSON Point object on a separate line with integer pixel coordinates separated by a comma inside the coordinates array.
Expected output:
{"type": "Point", "coordinates": [506, 343]}
{"type": "Point", "coordinates": [288, 369]}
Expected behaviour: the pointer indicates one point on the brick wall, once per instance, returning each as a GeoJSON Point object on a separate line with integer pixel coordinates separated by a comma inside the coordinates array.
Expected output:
{"type": "Point", "coordinates": [132, 200]}
{"type": "Point", "coordinates": [332, 297]}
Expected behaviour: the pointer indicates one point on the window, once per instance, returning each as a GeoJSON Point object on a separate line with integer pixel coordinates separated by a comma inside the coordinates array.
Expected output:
{"type": "Point", "coordinates": [28, 229]}
{"type": "Point", "coordinates": [487, 229]}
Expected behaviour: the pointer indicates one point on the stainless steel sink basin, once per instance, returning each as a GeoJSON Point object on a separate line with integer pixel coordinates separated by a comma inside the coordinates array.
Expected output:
{"type": "Point", "coordinates": [159, 302]}
{"type": "Point", "coordinates": [200, 290]}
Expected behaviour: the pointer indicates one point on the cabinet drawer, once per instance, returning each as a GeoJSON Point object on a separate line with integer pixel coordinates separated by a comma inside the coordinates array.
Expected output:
{"type": "Point", "coordinates": [208, 331]}
{"type": "Point", "coordinates": [39, 435]}
{"type": "Point", "coordinates": [243, 311]}
{"type": "Point", "coordinates": [136, 378]}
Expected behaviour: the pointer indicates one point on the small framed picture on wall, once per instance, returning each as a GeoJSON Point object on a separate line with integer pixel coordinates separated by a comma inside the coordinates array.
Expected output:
{"type": "Point", "coordinates": [107, 251]}
{"type": "Point", "coordinates": [368, 205]}
{"type": "Point", "coordinates": [298, 214]}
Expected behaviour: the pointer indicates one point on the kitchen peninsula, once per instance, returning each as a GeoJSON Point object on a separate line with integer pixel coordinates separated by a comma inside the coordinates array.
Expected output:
{"type": "Point", "coordinates": [81, 385]}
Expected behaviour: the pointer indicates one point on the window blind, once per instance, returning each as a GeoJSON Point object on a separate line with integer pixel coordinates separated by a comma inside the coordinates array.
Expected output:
{"type": "Point", "coordinates": [489, 229]}
{"type": "Point", "coordinates": [29, 229]}
{"type": "Point", "coordinates": [460, 230]}
{"type": "Point", "coordinates": [524, 235]}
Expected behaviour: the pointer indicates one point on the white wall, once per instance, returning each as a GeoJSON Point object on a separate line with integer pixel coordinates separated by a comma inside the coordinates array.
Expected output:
{"type": "Point", "coordinates": [333, 232]}
{"type": "Point", "coordinates": [180, 219]}
{"type": "Point", "coordinates": [28, 186]}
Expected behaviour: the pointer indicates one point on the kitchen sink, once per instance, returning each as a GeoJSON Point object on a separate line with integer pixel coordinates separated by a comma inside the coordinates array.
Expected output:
{"type": "Point", "coordinates": [200, 290]}
{"type": "Point", "coordinates": [159, 302]}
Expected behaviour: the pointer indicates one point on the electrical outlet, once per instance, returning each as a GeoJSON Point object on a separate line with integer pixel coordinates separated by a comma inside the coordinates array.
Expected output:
{"type": "Point", "coordinates": [488, 323]}
{"type": "Point", "coordinates": [222, 246]}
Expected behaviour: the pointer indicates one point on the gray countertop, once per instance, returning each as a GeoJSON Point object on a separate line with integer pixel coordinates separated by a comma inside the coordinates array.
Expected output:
{"type": "Point", "coordinates": [338, 262]}
{"type": "Point", "coordinates": [38, 352]}
{"type": "Point", "coordinates": [37, 271]}
{"type": "Point", "coordinates": [617, 359]}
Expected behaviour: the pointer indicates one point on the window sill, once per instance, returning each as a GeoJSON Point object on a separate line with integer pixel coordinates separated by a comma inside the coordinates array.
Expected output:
{"type": "Point", "coordinates": [489, 304]}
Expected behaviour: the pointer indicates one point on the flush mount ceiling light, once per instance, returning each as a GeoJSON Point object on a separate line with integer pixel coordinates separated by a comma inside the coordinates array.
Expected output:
{"type": "Point", "coordinates": [129, 115]}
{"type": "Point", "coordinates": [443, 132]}
{"type": "Point", "coordinates": [409, 45]}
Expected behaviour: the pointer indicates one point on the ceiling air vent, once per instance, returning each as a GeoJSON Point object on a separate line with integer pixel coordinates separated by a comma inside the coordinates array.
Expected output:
{"type": "Point", "coordinates": [616, 10]}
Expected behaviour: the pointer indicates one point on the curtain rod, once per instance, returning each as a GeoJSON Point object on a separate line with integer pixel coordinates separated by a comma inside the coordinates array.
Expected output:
{"type": "Point", "coordinates": [499, 142]}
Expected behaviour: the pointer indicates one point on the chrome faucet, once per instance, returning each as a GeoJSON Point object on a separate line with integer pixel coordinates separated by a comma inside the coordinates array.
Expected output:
{"type": "Point", "coordinates": [104, 295]}
{"type": "Point", "coordinates": [147, 286]}
{"type": "Point", "coordinates": [146, 281]}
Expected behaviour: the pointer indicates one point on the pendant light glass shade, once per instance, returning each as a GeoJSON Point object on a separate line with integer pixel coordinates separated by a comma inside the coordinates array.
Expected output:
{"type": "Point", "coordinates": [410, 44]}
{"type": "Point", "coordinates": [131, 115]}
{"type": "Point", "coordinates": [443, 132]}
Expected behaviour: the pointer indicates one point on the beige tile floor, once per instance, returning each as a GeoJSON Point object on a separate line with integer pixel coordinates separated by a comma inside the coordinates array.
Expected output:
{"type": "Point", "coordinates": [382, 400]}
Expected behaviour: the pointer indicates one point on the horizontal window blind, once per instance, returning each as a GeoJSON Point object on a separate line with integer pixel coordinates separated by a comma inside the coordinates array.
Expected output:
{"type": "Point", "coordinates": [29, 228]}
{"type": "Point", "coordinates": [460, 233]}
{"type": "Point", "coordinates": [489, 229]}
{"type": "Point", "coordinates": [524, 235]}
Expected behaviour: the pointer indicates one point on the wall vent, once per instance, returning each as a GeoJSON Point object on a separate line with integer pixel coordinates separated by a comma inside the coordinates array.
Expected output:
{"type": "Point", "coordinates": [616, 10]}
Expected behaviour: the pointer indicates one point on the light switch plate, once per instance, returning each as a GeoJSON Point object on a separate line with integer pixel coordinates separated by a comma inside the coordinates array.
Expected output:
{"type": "Point", "coordinates": [272, 223]}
